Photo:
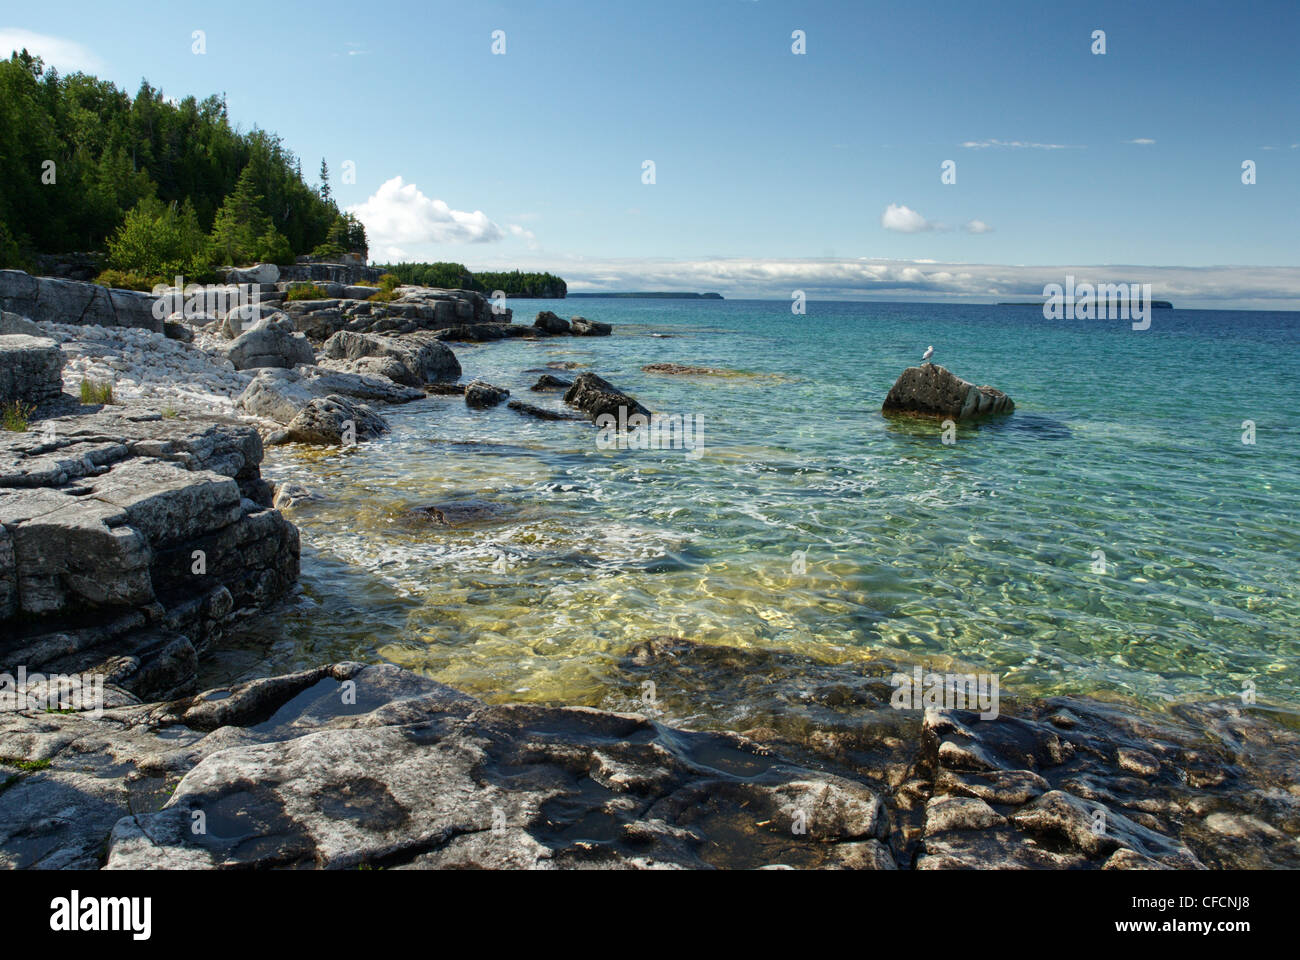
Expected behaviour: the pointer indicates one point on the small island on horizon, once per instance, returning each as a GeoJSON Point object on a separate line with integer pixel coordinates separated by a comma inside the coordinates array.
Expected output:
{"type": "Point", "coordinates": [652, 295]}
{"type": "Point", "coordinates": [1157, 304]}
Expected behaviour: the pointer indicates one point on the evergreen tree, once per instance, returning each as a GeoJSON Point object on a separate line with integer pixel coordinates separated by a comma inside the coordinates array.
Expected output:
{"type": "Point", "coordinates": [240, 224]}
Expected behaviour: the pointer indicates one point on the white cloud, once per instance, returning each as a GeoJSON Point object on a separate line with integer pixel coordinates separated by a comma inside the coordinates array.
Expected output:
{"type": "Point", "coordinates": [523, 234]}
{"type": "Point", "coordinates": [399, 215]}
{"type": "Point", "coordinates": [67, 55]}
{"type": "Point", "coordinates": [1142, 141]}
{"type": "Point", "coordinates": [1274, 288]}
{"type": "Point", "coordinates": [977, 226]}
{"type": "Point", "coordinates": [1016, 144]}
{"type": "Point", "coordinates": [903, 219]}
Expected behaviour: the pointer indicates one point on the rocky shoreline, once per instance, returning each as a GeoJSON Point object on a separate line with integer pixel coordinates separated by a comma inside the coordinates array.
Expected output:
{"type": "Point", "coordinates": [135, 535]}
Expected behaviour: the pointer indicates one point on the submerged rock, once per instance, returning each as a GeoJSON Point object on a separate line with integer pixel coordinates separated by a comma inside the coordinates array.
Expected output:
{"type": "Point", "coordinates": [933, 391]}
{"type": "Point", "coordinates": [445, 389]}
{"type": "Point", "coordinates": [684, 369]}
{"type": "Point", "coordinates": [459, 513]}
{"type": "Point", "coordinates": [541, 413]}
{"type": "Point", "coordinates": [548, 382]}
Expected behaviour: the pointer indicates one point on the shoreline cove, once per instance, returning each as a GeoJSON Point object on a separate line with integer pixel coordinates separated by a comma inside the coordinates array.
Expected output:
{"type": "Point", "coordinates": [340, 605]}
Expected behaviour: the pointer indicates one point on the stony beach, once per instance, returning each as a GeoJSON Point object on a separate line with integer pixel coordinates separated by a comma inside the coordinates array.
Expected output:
{"type": "Point", "coordinates": [137, 535]}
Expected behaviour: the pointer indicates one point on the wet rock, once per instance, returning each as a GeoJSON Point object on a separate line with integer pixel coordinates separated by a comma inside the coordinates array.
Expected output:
{"type": "Point", "coordinates": [947, 812]}
{"type": "Point", "coordinates": [548, 382]}
{"type": "Point", "coordinates": [459, 513]}
{"type": "Point", "coordinates": [1096, 831]}
{"type": "Point", "coordinates": [334, 420]}
{"type": "Point", "coordinates": [480, 395]}
{"type": "Point", "coordinates": [932, 391]}
{"type": "Point", "coordinates": [541, 413]}
{"type": "Point", "coordinates": [596, 397]}
{"type": "Point", "coordinates": [445, 389]}
{"type": "Point", "coordinates": [480, 332]}
{"type": "Point", "coordinates": [290, 494]}
{"type": "Point", "coordinates": [409, 774]}
{"type": "Point", "coordinates": [550, 323]}
{"type": "Point", "coordinates": [682, 369]}
{"type": "Point", "coordinates": [582, 327]}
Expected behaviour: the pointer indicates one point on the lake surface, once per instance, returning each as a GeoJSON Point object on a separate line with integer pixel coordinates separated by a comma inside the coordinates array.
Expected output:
{"type": "Point", "coordinates": [979, 555]}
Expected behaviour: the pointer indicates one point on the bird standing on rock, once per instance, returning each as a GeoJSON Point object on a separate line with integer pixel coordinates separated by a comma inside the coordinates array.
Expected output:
{"type": "Point", "coordinates": [929, 352]}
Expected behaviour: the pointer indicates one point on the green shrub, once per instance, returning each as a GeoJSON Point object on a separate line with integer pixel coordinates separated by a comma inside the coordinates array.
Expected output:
{"type": "Point", "coordinates": [96, 393]}
{"type": "Point", "coordinates": [306, 292]}
{"type": "Point", "coordinates": [388, 283]}
{"type": "Point", "coordinates": [14, 416]}
{"type": "Point", "coordinates": [125, 280]}
{"type": "Point", "coordinates": [159, 240]}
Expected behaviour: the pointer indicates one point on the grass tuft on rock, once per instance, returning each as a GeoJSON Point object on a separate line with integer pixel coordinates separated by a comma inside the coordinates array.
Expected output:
{"type": "Point", "coordinates": [15, 416]}
{"type": "Point", "coordinates": [93, 392]}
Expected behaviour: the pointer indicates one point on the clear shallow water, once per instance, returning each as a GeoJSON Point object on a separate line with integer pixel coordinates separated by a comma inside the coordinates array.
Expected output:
{"type": "Point", "coordinates": [978, 553]}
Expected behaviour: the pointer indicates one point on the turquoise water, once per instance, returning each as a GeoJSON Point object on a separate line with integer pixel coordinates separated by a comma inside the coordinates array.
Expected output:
{"type": "Point", "coordinates": [979, 553]}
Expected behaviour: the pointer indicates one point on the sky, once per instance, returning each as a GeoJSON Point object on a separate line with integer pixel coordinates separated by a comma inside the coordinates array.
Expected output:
{"type": "Point", "coordinates": [773, 170]}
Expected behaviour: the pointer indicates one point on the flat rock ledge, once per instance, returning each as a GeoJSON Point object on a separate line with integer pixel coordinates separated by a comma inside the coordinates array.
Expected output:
{"type": "Point", "coordinates": [130, 541]}
{"type": "Point", "coordinates": [933, 391]}
{"type": "Point", "coordinates": [349, 766]}
{"type": "Point", "coordinates": [31, 369]}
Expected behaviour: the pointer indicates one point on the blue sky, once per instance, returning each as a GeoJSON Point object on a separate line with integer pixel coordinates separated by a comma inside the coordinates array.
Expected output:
{"type": "Point", "coordinates": [772, 169]}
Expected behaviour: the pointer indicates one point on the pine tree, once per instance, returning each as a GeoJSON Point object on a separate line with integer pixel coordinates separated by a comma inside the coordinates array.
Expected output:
{"type": "Point", "coordinates": [240, 224]}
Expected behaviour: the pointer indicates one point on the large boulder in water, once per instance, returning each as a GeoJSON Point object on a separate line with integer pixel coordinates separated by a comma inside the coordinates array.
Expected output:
{"type": "Point", "coordinates": [595, 396]}
{"type": "Point", "coordinates": [334, 420]}
{"type": "Point", "coordinates": [480, 394]}
{"type": "Point", "coordinates": [933, 391]}
{"type": "Point", "coordinates": [582, 327]}
{"type": "Point", "coordinates": [548, 322]}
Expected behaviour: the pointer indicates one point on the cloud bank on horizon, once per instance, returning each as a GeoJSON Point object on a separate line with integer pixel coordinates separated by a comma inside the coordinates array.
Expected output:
{"type": "Point", "coordinates": [401, 221]}
{"type": "Point", "coordinates": [1262, 288]}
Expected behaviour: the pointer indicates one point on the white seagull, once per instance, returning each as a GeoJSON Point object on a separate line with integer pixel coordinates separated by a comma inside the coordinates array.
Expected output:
{"type": "Point", "coordinates": [929, 352]}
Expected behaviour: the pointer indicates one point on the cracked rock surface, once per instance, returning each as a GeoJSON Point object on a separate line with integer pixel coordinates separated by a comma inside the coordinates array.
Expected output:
{"type": "Point", "coordinates": [348, 765]}
{"type": "Point", "coordinates": [129, 541]}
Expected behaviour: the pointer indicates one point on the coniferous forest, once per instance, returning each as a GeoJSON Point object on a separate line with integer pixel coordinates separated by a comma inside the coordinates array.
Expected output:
{"type": "Point", "coordinates": [161, 187]}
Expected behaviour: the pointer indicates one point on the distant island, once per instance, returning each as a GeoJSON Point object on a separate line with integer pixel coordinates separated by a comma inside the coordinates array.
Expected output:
{"type": "Point", "coordinates": [455, 276]}
{"type": "Point", "coordinates": [1157, 304]}
{"type": "Point", "coordinates": [654, 295]}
